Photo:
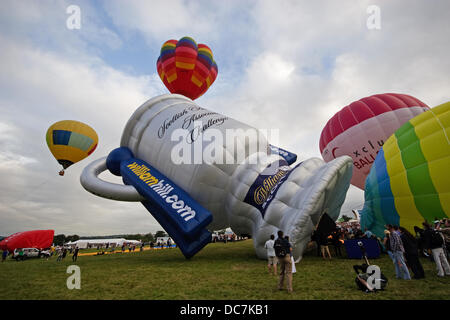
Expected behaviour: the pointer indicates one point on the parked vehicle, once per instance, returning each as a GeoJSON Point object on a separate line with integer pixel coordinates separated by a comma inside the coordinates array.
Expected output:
{"type": "Point", "coordinates": [30, 253]}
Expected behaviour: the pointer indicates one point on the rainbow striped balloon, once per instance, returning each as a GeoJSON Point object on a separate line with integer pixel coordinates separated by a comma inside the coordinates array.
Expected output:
{"type": "Point", "coordinates": [409, 181]}
{"type": "Point", "coordinates": [186, 67]}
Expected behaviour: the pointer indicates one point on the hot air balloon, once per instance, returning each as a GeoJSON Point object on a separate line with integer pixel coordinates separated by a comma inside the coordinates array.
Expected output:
{"type": "Point", "coordinates": [360, 129]}
{"type": "Point", "coordinates": [39, 239]}
{"type": "Point", "coordinates": [186, 68]}
{"type": "Point", "coordinates": [410, 181]}
{"type": "Point", "coordinates": [71, 141]}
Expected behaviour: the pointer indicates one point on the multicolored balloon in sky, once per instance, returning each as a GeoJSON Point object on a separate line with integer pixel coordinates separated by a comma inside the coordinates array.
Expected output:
{"type": "Point", "coordinates": [360, 129]}
{"type": "Point", "coordinates": [186, 68]}
{"type": "Point", "coordinates": [410, 179]}
{"type": "Point", "coordinates": [71, 141]}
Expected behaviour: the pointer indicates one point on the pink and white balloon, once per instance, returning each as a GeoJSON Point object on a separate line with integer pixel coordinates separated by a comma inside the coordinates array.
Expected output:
{"type": "Point", "coordinates": [360, 129]}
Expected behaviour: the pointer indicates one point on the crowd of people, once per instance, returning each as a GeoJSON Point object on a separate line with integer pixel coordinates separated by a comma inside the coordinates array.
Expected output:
{"type": "Point", "coordinates": [404, 249]}
{"type": "Point", "coordinates": [61, 252]}
{"type": "Point", "coordinates": [229, 237]}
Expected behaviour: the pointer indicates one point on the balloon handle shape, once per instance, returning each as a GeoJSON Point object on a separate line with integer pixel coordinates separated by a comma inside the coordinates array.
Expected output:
{"type": "Point", "coordinates": [184, 219]}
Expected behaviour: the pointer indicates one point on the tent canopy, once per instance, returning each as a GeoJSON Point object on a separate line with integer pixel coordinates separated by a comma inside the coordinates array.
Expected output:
{"type": "Point", "coordinates": [83, 243]}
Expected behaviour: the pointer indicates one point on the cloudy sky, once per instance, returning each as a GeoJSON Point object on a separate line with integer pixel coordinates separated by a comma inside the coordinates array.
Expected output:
{"type": "Point", "coordinates": [287, 65]}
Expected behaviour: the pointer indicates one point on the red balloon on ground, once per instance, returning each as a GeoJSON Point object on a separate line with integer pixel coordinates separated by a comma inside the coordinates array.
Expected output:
{"type": "Point", "coordinates": [39, 239]}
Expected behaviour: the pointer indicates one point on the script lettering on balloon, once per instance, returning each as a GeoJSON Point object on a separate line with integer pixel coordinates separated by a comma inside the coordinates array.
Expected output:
{"type": "Point", "coordinates": [169, 121]}
{"type": "Point", "coordinates": [199, 129]}
{"type": "Point", "coordinates": [264, 188]}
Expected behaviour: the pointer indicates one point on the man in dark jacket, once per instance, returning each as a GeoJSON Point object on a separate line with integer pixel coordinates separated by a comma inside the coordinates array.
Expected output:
{"type": "Point", "coordinates": [411, 253]}
{"type": "Point", "coordinates": [432, 243]}
{"type": "Point", "coordinates": [285, 261]}
{"type": "Point", "coordinates": [75, 254]}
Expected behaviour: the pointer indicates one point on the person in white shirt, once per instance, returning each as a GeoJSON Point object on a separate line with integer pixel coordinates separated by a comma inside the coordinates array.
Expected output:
{"type": "Point", "coordinates": [272, 259]}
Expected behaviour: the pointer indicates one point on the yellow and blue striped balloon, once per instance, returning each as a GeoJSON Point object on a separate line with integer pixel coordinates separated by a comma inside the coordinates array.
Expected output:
{"type": "Point", "coordinates": [71, 141]}
{"type": "Point", "coordinates": [409, 182]}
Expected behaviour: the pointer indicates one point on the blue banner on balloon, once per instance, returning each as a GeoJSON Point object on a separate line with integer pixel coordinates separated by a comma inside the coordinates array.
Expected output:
{"type": "Point", "coordinates": [288, 156]}
{"type": "Point", "coordinates": [266, 185]}
{"type": "Point", "coordinates": [183, 218]}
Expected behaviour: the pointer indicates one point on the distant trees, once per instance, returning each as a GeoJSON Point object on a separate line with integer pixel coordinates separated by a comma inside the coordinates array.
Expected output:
{"type": "Point", "coordinates": [73, 238]}
{"type": "Point", "coordinates": [344, 219]}
{"type": "Point", "coordinates": [160, 233]}
{"type": "Point", "coordinates": [148, 237]}
{"type": "Point", "coordinates": [59, 239]}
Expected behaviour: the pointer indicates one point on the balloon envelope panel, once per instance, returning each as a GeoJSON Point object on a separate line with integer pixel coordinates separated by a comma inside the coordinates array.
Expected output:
{"type": "Point", "coordinates": [360, 129]}
{"type": "Point", "coordinates": [410, 180]}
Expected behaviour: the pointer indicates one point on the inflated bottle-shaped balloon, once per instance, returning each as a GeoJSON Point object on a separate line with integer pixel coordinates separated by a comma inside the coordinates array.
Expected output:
{"type": "Point", "coordinates": [186, 67]}
{"type": "Point", "coordinates": [410, 181]}
{"type": "Point", "coordinates": [177, 157]}
{"type": "Point", "coordinates": [360, 129]}
{"type": "Point", "coordinates": [71, 141]}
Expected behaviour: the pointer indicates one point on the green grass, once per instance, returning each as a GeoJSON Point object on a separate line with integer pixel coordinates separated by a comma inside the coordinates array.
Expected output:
{"type": "Point", "coordinates": [220, 271]}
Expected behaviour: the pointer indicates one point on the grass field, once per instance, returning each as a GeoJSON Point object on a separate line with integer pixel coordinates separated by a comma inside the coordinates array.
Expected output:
{"type": "Point", "coordinates": [220, 271]}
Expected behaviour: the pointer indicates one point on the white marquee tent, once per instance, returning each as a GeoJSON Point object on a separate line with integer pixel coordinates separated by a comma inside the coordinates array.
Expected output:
{"type": "Point", "coordinates": [84, 243]}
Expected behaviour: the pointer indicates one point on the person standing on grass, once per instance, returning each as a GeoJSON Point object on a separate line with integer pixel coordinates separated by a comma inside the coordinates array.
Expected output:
{"type": "Point", "coordinates": [387, 246]}
{"type": "Point", "coordinates": [398, 252]}
{"type": "Point", "coordinates": [336, 238]}
{"type": "Point", "coordinates": [64, 253]}
{"type": "Point", "coordinates": [445, 230]}
{"type": "Point", "coordinates": [324, 246]}
{"type": "Point", "coordinates": [75, 254]}
{"type": "Point", "coordinates": [315, 238]}
{"type": "Point", "coordinates": [434, 242]}
{"type": "Point", "coordinates": [283, 251]}
{"type": "Point", "coordinates": [294, 270]}
{"type": "Point", "coordinates": [21, 253]}
{"type": "Point", "coordinates": [412, 253]}
{"type": "Point", "coordinates": [4, 255]}
{"type": "Point", "coordinates": [60, 253]}
{"type": "Point", "coordinates": [271, 258]}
